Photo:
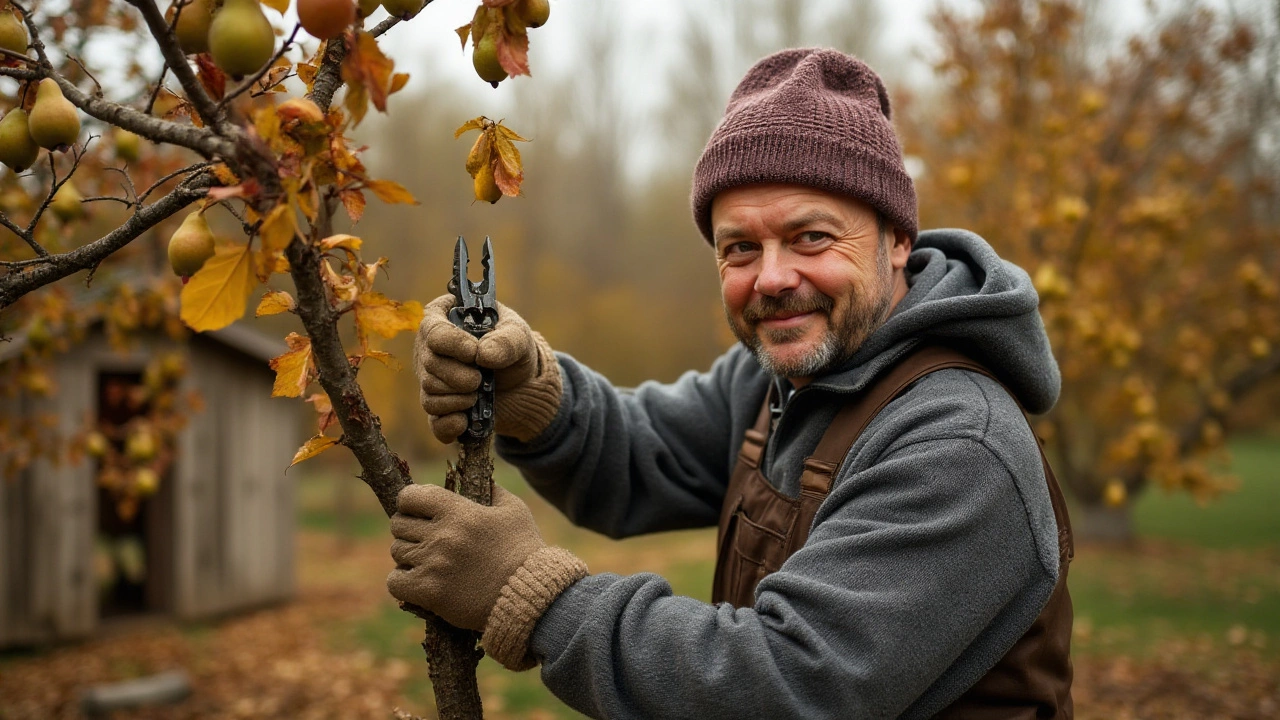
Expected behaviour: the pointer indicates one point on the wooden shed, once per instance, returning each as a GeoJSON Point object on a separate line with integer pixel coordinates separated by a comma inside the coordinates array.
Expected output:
{"type": "Point", "coordinates": [215, 537]}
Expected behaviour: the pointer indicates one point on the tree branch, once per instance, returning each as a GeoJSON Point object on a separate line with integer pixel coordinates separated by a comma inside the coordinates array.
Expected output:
{"type": "Point", "coordinates": [177, 61]}
{"type": "Point", "coordinates": [329, 75]}
{"type": "Point", "coordinates": [1235, 389]}
{"type": "Point", "coordinates": [21, 280]}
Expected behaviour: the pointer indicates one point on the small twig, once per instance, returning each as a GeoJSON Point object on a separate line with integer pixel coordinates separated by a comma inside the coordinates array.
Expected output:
{"type": "Point", "coordinates": [151, 102]}
{"type": "Point", "coordinates": [24, 234]}
{"type": "Point", "coordinates": [250, 229]}
{"type": "Point", "coordinates": [99, 198]}
{"type": "Point", "coordinates": [248, 82]}
{"type": "Point", "coordinates": [130, 191]}
{"type": "Point", "coordinates": [88, 74]}
{"type": "Point", "coordinates": [172, 175]}
{"type": "Point", "coordinates": [275, 84]}
{"type": "Point", "coordinates": [18, 56]}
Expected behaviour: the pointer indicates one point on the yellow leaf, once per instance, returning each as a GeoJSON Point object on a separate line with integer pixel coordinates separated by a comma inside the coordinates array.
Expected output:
{"type": "Point", "coordinates": [215, 296]}
{"type": "Point", "coordinates": [377, 313]}
{"type": "Point", "coordinates": [398, 81]}
{"type": "Point", "coordinates": [279, 228]}
{"type": "Point", "coordinates": [313, 447]}
{"type": "Point", "coordinates": [385, 358]}
{"type": "Point", "coordinates": [275, 302]}
{"type": "Point", "coordinates": [509, 156]}
{"type": "Point", "coordinates": [472, 124]}
{"type": "Point", "coordinates": [509, 134]}
{"type": "Point", "coordinates": [464, 34]}
{"type": "Point", "coordinates": [346, 242]}
{"type": "Point", "coordinates": [479, 155]}
{"type": "Point", "coordinates": [293, 369]}
{"type": "Point", "coordinates": [390, 192]}
{"type": "Point", "coordinates": [278, 5]}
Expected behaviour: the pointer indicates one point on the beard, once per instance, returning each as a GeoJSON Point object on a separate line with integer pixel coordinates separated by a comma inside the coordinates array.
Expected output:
{"type": "Point", "coordinates": [847, 328]}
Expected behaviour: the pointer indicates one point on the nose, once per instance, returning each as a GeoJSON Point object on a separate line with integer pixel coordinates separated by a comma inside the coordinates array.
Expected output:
{"type": "Point", "coordinates": [778, 275]}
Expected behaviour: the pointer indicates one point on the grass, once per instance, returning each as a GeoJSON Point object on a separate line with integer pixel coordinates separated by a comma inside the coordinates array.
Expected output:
{"type": "Point", "coordinates": [1203, 577]}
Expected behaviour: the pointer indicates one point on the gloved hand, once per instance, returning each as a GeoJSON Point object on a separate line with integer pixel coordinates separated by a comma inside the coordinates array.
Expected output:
{"type": "Point", "coordinates": [478, 567]}
{"type": "Point", "coordinates": [525, 372]}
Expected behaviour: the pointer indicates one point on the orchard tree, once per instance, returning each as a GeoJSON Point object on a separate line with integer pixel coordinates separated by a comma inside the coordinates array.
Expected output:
{"type": "Point", "coordinates": [236, 123]}
{"type": "Point", "coordinates": [1139, 188]}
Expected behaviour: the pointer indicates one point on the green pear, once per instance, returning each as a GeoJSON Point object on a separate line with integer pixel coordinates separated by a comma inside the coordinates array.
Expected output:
{"type": "Point", "coordinates": [485, 60]}
{"type": "Point", "coordinates": [67, 203]}
{"type": "Point", "coordinates": [241, 40]}
{"type": "Point", "coordinates": [128, 145]}
{"type": "Point", "coordinates": [17, 149]}
{"type": "Point", "coordinates": [13, 33]}
{"type": "Point", "coordinates": [54, 122]}
{"type": "Point", "coordinates": [368, 7]}
{"type": "Point", "coordinates": [190, 245]}
{"type": "Point", "coordinates": [192, 29]}
{"type": "Point", "coordinates": [534, 12]}
{"type": "Point", "coordinates": [403, 9]}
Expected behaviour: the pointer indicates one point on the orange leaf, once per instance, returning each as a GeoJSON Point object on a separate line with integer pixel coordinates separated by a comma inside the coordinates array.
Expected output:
{"type": "Point", "coordinates": [387, 359]}
{"type": "Point", "coordinates": [353, 201]}
{"type": "Point", "coordinates": [274, 303]}
{"type": "Point", "coordinates": [324, 408]}
{"type": "Point", "coordinates": [513, 52]}
{"type": "Point", "coordinates": [508, 184]}
{"type": "Point", "coordinates": [390, 192]}
{"type": "Point", "coordinates": [312, 448]}
{"type": "Point", "coordinates": [480, 154]}
{"type": "Point", "coordinates": [293, 369]}
{"type": "Point", "coordinates": [508, 156]}
{"type": "Point", "coordinates": [211, 76]}
{"type": "Point", "coordinates": [398, 81]}
{"type": "Point", "coordinates": [302, 109]}
{"type": "Point", "coordinates": [377, 313]}
{"type": "Point", "coordinates": [215, 296]}
{"type": "Point", "coordinates": [279, 6]}
{"type": "Point", "coordinates": [367, 72]}
{"type": "Point", "coordinates": [464, 34]}
{"type": "Point", "coordinates": [279, 228]}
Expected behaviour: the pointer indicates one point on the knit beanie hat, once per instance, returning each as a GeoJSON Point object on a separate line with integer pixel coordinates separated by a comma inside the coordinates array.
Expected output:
{"type": "Point", "coordinates": [811, 117]}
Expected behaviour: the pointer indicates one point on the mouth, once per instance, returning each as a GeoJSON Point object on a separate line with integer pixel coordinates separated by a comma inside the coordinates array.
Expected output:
{"type": "Point", "coordinates": [786, 320]}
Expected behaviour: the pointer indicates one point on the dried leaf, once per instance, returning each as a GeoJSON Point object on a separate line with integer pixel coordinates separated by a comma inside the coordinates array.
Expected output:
{"type": "Point", "coordinates": [479, 155]}
{"type": "Point", "coordinates": [367, 72]}
{"type": "Point", "coordinates": [312, 448]}
{"type": "Point", "coordinates": [508, 156]}
{"type": "Point", "coordinates": [279, 6]}
{"type": "Point", "coordinates": [346, 242]}
{"type": "Point", "coordinates": [390, 192]}
{"type": "Point", "coordinates": [226, 193]}
{"type": "Point", "coordinates": [211, 76]}
{"type": "Point", "coordinates": [324, 410]}
{"type": "Point", "coordinates": [508, 133]}
{"type": "Point", "coordinates": [464, 34]}
{"type": "Point", "coordinates": [513, 53]}
{"type": "Point", "coordinates": [294, 369]}
{"type": "Point", "coordinates": [307, 73]}
{"type": "Point", "coordinates": [386, 358]}
{"type": "Point", "coordinates": [274, 303]}
{"type": "Point", "coordinates": [472, 124]}
{"type": "Point", "coordinates": [303, 109]}
{"type": "Point", "coordinates": [377, 313]}
{"type": "Point", "coordinates": [279, 228]}
{"type": "Point", "coordinates": [354, 202]}
{"type": "Point", "coordinates": [215, 296]}
{"type": "Point", "coordinates": [508, 184]}
{"type": "Point", "coordinates": [398, 81]}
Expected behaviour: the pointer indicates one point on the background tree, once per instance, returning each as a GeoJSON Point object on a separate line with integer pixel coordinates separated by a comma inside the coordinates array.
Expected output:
{"type": "Point", "coordinates": [251, 138]}
{"type": "Point", "coordinates": [1137, 182]}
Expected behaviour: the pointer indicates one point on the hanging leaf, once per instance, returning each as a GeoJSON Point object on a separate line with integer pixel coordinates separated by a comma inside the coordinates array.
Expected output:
{"type": "Point", "coordinates": [294, 369]}
{"type": "Point", "coordinates": [513, 52]}
{"type": "Point", "coordinates": [480, 154]}
{"type": "Point", "coordinates": [472, 124]}
{"type": "Point", "coordinates": [211, 76]}
{"type": "Point", "coordinates": [279, 6]}
{"type": "Point", "coordinates": [390, 192]}
{"type": "Point", "coordinates": [215, 296]}
{"type": "Point", "coordinates": [367, 73]}
{"type": "Point", "coordinates": [353, 201]}
{"type": "Point", "coordinates": [326, 418]}
{"type": "Point", "coordinates": [312, 448]}
{"type": "Point", "coordinates": [345, 242]}
{"type": "Point", "coordinates": [274, 303]}
{"type": "Point", "coordinates": [464, 34]}
{"type": "Point", "coordinates": [279, 227]}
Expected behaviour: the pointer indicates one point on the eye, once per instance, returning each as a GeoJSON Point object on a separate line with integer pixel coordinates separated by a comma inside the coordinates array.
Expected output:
{"type": "Point", "coordinates": [739, 253]}
{"type": "Point", "coordinates": [810, 237]}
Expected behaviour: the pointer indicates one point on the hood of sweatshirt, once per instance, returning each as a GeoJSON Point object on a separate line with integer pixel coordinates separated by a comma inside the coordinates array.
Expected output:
{"type": "Point", "coordinates": [961, 293]}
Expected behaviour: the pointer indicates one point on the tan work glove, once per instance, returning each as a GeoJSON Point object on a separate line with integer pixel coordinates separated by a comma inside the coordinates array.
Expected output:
{"type": "Point", "coordinates": [525, 372]}
{"type": "Point", "coordinates": [478, 567]}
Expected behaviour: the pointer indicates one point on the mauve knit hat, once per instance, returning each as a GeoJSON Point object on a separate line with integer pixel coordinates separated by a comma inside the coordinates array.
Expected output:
{"type": "Point", "coordinates": [812, 117]}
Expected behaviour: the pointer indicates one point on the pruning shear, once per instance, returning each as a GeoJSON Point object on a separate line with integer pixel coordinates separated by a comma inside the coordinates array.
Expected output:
{"type": "Point", "coordinates": [476, 311]}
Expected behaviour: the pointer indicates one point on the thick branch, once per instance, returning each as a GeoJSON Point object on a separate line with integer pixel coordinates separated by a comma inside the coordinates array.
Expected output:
{"type": "Point", "coordinates": [1240, 385]}
{"type": "Point", "coordinates": [177, 61]}
{"type": "Point", "coordinates": [16, 284]}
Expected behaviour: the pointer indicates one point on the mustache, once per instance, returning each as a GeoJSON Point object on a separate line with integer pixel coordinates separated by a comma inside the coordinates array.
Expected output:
{"type": "Point", "coordinates": [765, 306]}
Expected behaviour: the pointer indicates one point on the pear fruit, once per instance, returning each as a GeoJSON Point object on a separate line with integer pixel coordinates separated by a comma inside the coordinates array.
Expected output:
{"type": "Point", "coordinates": [13, 34]}
{"type": "Point", "coordinates": [95, 444]}
{"type": "Point", "coordinates": [368, 7]}
{"type": "Point", "coordinates": [17, 149]}
{"type": "Point", "coordinates": [53, 122]}
{"type": "Point", "coordinates": [128, 145]}
{"type": "Point", "coordinates": [485, 60]}
{"type": "Point", "coordinates": [67, 203]}
{"type": "Point", "coordinates": [534, 12]}
{"type": "Point", "coordinates": [241, 40]}
{"type": "Point", "coordinates": [190, 245]}
{"type": "Point", "coordinates": [140, 446]}
{"type": "Point", "coordinates": [325, 19]}
{"type": "Point", "coordinates": [485, 187]}
{"type": "Point", "coordinates": [193, 26]}
{"type": "Point", "coordinates": [145, 481]}
{"type": "Point", "coordinates": [403, 9]}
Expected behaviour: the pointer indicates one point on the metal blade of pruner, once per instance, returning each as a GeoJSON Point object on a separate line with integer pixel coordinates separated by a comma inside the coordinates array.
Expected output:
{"type": "Point", "coordinates": [476, 311]}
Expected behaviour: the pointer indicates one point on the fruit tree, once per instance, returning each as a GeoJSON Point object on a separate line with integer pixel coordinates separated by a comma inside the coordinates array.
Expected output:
{"type": "Point", "coordinates": [237, 124]}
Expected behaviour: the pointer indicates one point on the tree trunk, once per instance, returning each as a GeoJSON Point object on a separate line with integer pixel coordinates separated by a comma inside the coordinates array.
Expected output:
{"type": "Point", "coordinates": [1100, 523]}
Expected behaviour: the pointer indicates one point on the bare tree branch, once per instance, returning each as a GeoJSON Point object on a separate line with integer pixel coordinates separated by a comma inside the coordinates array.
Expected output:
{"type": "Point", "coordinates": [177, 61]}
{"type": "Point", "coordinates": [27, 276]}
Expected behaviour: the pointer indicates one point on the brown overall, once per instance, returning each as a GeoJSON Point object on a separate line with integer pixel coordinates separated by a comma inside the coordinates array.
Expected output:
{"type": "Point", "coordinates": [760, 528]}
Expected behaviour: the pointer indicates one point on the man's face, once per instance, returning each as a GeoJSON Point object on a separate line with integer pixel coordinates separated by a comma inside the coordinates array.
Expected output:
{"type": "Point", "coordinates": [804, 274]}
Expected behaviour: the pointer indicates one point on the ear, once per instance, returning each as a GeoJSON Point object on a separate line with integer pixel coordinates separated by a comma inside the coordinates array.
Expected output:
{"type": "Point", "coordinates": [900, 250]}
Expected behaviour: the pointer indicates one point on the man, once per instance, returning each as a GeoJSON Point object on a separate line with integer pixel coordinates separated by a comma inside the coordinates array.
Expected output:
{"type": "Point", "coordinates": [890, 543]}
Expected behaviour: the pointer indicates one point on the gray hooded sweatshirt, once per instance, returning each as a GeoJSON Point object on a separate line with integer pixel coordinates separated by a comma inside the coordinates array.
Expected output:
{"type": "Point", "coordinates": [934, 552]}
